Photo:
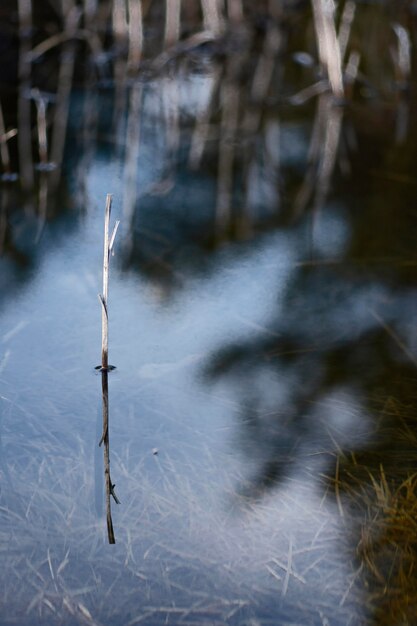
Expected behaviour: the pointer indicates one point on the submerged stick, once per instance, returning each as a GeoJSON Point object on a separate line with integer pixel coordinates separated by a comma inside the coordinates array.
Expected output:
{"type": "Point", "coordinates": [105, 439]}
{"type": "Point", "coordinates": [105, 367]}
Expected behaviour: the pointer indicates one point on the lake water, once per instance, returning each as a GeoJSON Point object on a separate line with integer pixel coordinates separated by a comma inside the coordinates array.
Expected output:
{"type": "Point", "coordinates": [263, 407]}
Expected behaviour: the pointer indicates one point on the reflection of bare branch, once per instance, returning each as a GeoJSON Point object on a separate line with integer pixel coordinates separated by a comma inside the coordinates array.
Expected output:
{"type": "Point", "coordinates": [132, 152]}
{"type": "Point", "coordinates": [322, 154]}
{"type": "Point", "coordinates": [229, 122]}
{"type": "Point", "coordinates": [333, 116]}
{"type": "Point", "coordinates": [170, 101]}
{"type": "Point", "coordinates": [262, 78]}
{"type": "Point", "coordinates": [4, 149]}
{"type": "Point", "coordinates": [65, 77]}
{"type": "Point", "coordinates": [42, 204]}
{"type": "Point", "coordinates": [351, 69]}
{"type": "Point", "coordinates": [202, 124]}
{"type": "Point", "coordinates": [24, 104]}
{"type": "Point", "coordinates": [41, 104]}
{"type": "Point", "coordinates": [55, 40]}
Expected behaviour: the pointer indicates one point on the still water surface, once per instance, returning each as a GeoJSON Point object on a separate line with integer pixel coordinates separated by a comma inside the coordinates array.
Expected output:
{"type": "Point", "coordinates": [262, 396]}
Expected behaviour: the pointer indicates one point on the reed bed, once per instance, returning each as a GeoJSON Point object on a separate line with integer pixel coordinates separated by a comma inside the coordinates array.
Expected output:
{"type": "Point", "coordinates": [112, 37]}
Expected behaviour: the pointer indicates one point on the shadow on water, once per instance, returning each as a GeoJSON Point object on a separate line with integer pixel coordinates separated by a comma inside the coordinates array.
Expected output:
{"type": "Point", "coordinates": [263, 424]}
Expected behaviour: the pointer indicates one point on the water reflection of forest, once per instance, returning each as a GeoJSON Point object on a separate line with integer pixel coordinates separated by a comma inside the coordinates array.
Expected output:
{"type": "Point", "coordinates": [254, 128]}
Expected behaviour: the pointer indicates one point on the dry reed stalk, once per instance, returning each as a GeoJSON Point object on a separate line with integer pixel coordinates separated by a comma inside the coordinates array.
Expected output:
{"type": "Point", "coordinates": [108, 247]}
{"type": "Point", "coordinates": [43, 166]}
{"type": "Point", "coordinates": [105, 367]}
{"type": "Point", "coordinates": [235, 10]}
{"type": "Point", "coordinates": [4, 149]}
{"type": "Point", "coordinates": [328, 45]}
{"type": "Point", "coordinates": [351, 71]}
{"type": "Point", "coordinates": [172, 22]}
{"type": "Point", "coordinates": [211, 16]}
{"type": "Point", "coordinates": [135, 35]}
{"type": "Point", "coordinates": [90, 13]}
{"type": "Point", "coordinates": [402, 56]}
{"type": "Point", "coordinates": [262, 78]}
{"type": "Point", "coordinates": [40, 102]}
{"type": "Point", "coordinates": [24, 103]}
{"type": "Point", "coordinates": [120, 27]}
{"type": "Point", "coordinates": [402, 69]}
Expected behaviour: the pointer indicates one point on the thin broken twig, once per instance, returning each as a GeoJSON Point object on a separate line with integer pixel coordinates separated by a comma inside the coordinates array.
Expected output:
{"type": "Point", "coordinates": [105, 367]}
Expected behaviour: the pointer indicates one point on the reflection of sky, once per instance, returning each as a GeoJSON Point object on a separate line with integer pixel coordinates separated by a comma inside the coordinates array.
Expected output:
{"type": "Point", "coordinates": [181, 508]}
{"type": "Point", "coordinates": [181, 501]}
{"type": "Point", "coordinates": [331, 235]}
{"type": "Point", "coordinates": [160, 101]}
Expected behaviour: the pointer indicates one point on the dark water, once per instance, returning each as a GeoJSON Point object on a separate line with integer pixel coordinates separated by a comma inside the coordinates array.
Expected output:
{"type": "Point", "coordinates": [262, 320]}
